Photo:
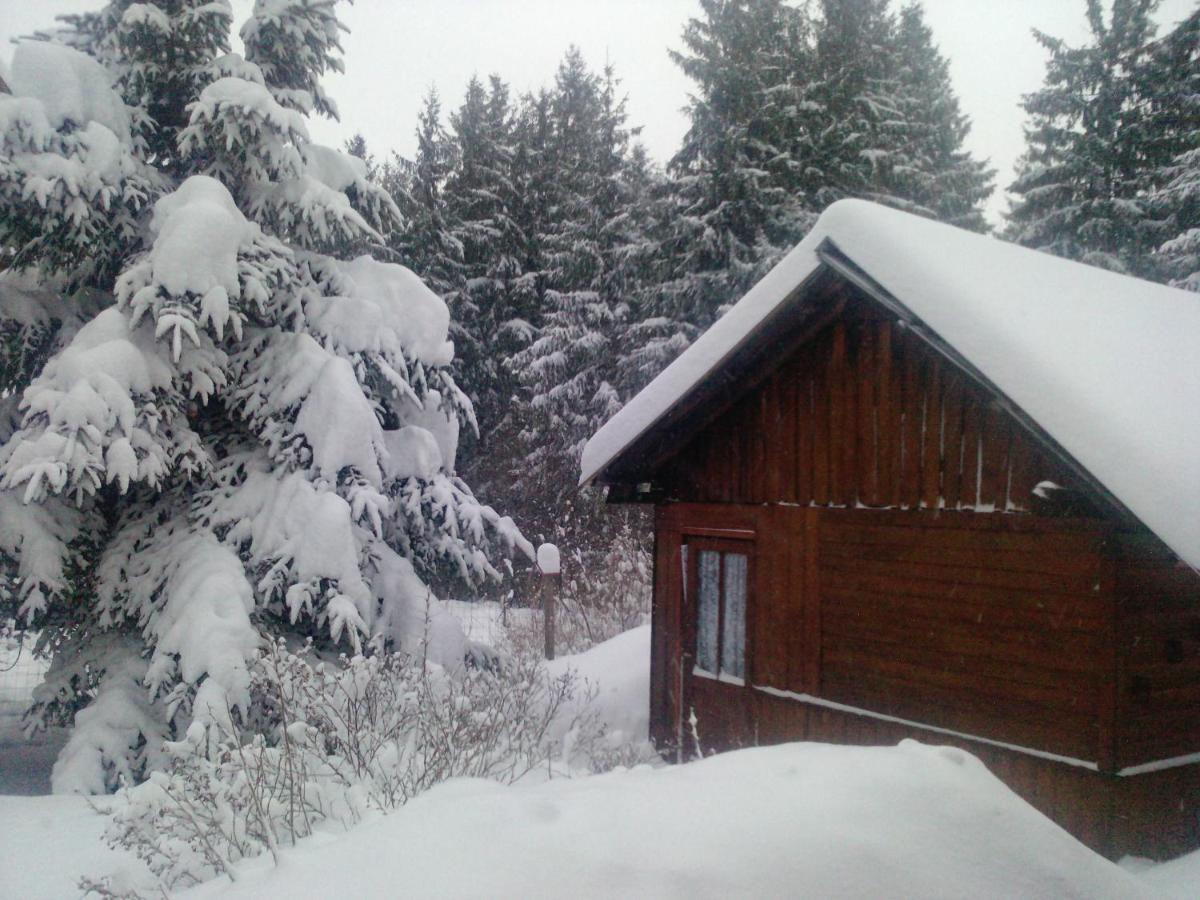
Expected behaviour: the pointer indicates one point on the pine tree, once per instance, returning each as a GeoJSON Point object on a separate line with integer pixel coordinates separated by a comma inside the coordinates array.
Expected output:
{"type": "Point", "coordinates": [733, 202]}
{"type": "Point", "coordinates": [1170, 84]}
{"type": "Point", "coordinates": [1082, 181]}
{"type": "Point", "coordinates": [738, 201]}
{"type": "Point", "coordinates": [427, 241]}
{"type": "Point", "coordinates": [482, 199]}
{"type": "Point", "coordinates": [925, 169]}
{"type": "Point", "coordinates": [881, 119]}
{"type": "Point", "coordinates": [792, 112]}
{"type": "Point", "coordinates": [855, 120]}
{"type": "Point", "coordinates": [569, 372]}
{"type": "Point", "coordinates": [251, 431]}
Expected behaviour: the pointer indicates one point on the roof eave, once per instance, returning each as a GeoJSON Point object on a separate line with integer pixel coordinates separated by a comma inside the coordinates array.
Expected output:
{"type": "Point", "coordinates": [739, 357]}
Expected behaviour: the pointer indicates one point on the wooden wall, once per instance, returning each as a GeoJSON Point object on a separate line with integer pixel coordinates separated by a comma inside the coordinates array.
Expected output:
{"type": "Point", "coordinates": [864, 414]}
{"type": "Point", "coordinates": [1158, 602]}
{"type": "Point", "coordinates": [903, 567]}
{"type": "Point", "coordinates": [990, 625]}
{"type": "Point", "coordinates": [993, 625]}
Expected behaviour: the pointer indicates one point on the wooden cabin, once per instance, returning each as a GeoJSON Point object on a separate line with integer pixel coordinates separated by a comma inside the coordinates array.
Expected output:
{"type": "Point", "coordinates": [922, 483]}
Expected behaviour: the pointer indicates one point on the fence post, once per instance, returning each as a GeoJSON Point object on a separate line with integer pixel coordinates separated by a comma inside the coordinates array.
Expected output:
{"type": "Point", "coordinates": [548, 564]}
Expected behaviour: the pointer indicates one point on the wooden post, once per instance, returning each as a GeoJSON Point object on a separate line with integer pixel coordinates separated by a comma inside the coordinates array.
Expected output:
{"type": "Point", "coordinates": [548, 564]}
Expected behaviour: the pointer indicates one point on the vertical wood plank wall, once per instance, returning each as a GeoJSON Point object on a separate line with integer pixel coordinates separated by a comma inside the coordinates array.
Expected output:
{"type": "Point", "coordinates": [988, 625]}
{"type": "Point", "coordinates": [864, 414]}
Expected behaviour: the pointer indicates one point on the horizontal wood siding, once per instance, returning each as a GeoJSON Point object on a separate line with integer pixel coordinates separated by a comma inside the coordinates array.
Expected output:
{"type": "Point", "coordinates": [1159, 645]}
{"type": "Point", "coordinates": [989, 625]}
{"type": "Point", "coordinates": [864, 414]}
{"type": "Point", "coordinates": [992, 631]}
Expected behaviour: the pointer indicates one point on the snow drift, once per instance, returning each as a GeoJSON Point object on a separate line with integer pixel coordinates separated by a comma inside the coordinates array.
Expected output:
{"type": "Point", "coordinates": [808, 820]}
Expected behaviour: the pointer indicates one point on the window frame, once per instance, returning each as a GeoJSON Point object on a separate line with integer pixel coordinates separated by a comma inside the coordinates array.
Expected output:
{"type": "Point", "coordinates": [741, 545]}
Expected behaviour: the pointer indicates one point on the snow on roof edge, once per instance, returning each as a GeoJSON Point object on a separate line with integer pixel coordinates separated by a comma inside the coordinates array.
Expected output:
{"type": "Point", "coordinates": [1100, 361]}
{"type": "Point", "coordinates": [709, 352]}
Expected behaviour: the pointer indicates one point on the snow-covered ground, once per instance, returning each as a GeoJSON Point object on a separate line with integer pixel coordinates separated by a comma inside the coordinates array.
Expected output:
{"type": "Point", "coordinates": [795, 820]}
{"type": "Point", "coordinates": [806, 820]}
{"type": "Point", "coordinates": [24, 763]}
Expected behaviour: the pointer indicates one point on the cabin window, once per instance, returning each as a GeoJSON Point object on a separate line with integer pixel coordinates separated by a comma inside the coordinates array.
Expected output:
{"type": "Point", "coordinates": [721, 585]}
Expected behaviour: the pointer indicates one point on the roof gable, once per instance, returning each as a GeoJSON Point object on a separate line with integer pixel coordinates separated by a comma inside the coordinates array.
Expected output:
{"type": "Point", "coordinates": [1105, 364]}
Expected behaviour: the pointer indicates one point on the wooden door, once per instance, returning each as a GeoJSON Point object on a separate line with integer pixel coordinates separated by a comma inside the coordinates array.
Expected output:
{"type": "Point", "coordinates": [716, 656]}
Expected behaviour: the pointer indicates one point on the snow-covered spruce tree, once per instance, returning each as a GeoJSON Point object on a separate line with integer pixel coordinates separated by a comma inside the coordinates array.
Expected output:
{"type": "Point", "coordinates": [736, 201]}
{"type": "Point", "coordinates": [567, 373]}
{"type": "Point", "coordinates": [1170, 85]}
{"type": "Point", "coordinates": [921, 164]}
{"type": "Point", "coordinates": [483, 201]}
{"type": "Point", "coordinates": [854, 122]}
{"type": "Point", "coordinates": [250, 431]}
{"type": "Point", "coordinates": [796, 106]}
{"type": "Point", "coordinates": [880, 119]}
{"type": "Point", "coordinates": [1082, 182]}
{"type": "Point", "coordinates": [427, 241]}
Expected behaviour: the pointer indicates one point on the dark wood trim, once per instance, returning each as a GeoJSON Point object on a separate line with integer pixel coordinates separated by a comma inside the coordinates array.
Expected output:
{"type": "Point", "coordinates": [789, 326]}
{"type": "Point", "coordinates": [1108, 753]}
{"type": "Point", "coordinates": [811, 645]}
{"type": "Point", "coordinates": [730, 534]}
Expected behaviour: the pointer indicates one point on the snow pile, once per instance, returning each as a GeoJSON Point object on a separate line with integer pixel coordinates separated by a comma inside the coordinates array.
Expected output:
{"type": "Point", "coordinates": [117, 734]}
{"type": "Point", "coordinates": [94, 402]}
{"type": "Point", "coordinates": [412, 618]}
{"type": "Point", "coordinates": [797, 820]}
{"type": "Point", "coordinates": [382, 305]}
{"type": "Point", "coordinates": [1178, 879]}
{"type": "Point", "coordinates": [1097, 359]}
{"type": "Point", "coordinates": [548, 559]}
{"type": "Point", "coordinates": [51, 842]}
{"type": "Point", "coordinates": [249, 98]}
{"type": "Point", "coordinates": [71, 86]}
{"type": "Point", "coordinates": [333, 168]}
{"type": "Point", "coordinates": [437, 417]}
{"type": "Point", "coordinates": [147, 15]}
{"type": "Point", "coordinates": [412, 452]}
{"type": "Point", "coordinates": [619, 672]}
{"type": "Point", "coordinates": [198, 231]}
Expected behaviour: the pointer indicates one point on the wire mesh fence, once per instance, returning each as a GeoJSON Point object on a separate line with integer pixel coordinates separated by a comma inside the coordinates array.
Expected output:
{"type": "Point", "coordinates": [20, 671]}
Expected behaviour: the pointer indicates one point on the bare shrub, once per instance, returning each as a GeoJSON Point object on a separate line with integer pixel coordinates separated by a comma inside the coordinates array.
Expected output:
{"type": "Point", "coordinates": [332, 741]}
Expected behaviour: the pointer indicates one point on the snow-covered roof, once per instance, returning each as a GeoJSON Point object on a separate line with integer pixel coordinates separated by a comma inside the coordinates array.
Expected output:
{"type": "Point", "coordinates": [1106, 364]}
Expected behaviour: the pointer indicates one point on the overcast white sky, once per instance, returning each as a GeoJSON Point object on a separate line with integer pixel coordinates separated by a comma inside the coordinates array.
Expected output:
{"type": "Point", "coordinates": [397, 48]}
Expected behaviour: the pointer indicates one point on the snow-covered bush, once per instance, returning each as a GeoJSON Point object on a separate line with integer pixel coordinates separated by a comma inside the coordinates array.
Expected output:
{"type": "Point", "coordinates": [222, 421]}
{"type": "Point", "coordinates": [330, 741]}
